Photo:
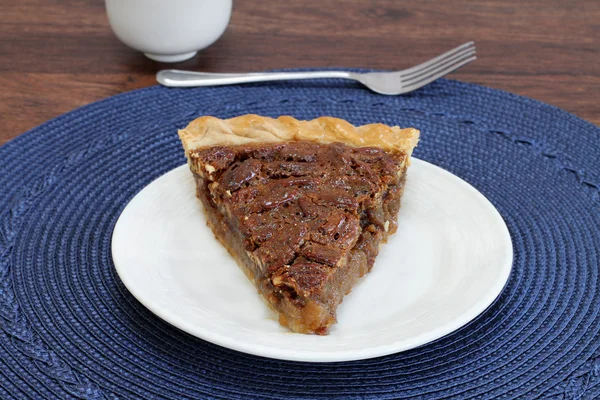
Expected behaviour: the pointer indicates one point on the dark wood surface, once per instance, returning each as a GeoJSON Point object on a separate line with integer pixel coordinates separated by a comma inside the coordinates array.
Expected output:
{"type": "Point", "coordinates": [56, 55]}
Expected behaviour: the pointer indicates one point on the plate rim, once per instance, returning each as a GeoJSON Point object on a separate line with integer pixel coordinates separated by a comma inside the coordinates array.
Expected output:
{"type": "Point", "coordinates": [339, 355]}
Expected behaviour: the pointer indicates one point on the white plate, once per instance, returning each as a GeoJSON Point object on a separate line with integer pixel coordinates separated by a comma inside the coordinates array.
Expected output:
{"type": "Point", "coordinates": [447, 263]}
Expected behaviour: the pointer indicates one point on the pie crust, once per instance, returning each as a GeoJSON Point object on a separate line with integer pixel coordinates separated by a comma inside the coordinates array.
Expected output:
{"type": "Point", "coordinates": [253, 129]}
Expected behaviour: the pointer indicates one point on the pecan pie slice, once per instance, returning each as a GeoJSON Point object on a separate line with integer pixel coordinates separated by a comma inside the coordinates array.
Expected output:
{"type": "Point", "coordinates": [301, 205]}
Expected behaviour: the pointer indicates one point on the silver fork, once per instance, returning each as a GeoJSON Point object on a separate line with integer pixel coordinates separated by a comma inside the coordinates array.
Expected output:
{"type": "Point", "coordinates": [390, 83]}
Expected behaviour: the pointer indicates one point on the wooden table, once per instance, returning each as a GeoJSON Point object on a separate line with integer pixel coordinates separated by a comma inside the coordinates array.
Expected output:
{"type": "Point", "coordinates": [56, 55]}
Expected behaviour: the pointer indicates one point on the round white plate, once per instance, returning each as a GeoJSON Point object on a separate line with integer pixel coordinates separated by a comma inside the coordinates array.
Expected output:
{"type": "Point", "coordinates": [447, 263]}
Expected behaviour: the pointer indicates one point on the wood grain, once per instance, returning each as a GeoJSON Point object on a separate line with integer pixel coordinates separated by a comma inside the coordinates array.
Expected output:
{"type": "Point", "coordinates": [56, 55]}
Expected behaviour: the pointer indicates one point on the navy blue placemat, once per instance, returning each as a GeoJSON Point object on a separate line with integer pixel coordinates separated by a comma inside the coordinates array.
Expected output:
{"type": "Point", "coordinates": [70, 329]}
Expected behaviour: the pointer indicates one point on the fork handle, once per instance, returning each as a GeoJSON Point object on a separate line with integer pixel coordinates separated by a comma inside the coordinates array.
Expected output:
{"type": "Point", "coordinates": [178, 78]}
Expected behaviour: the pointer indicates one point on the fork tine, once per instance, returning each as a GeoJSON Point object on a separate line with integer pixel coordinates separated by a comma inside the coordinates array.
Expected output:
{"type": "Point", "coordinates": [438, 58]}
{"type": "Point", "coordinates": [432, 77]}
{"type": "Point", "coordinates": [467, 52]}
{"type": "Point", "coordinates": [416, 76]}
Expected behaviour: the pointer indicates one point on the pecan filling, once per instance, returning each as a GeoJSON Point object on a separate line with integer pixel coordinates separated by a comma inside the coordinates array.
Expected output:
{"type": "Point", "coordinates": [303, 219]}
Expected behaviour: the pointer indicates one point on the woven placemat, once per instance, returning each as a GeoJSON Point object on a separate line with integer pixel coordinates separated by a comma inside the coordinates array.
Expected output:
{"type": "Point", "coordinates": [70, 329]}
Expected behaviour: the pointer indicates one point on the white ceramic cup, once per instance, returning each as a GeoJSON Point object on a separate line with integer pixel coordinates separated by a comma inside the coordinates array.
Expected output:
{"type": "Point", "coordinates": [168, 30]}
